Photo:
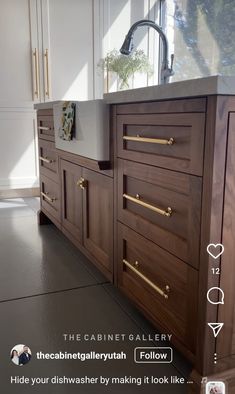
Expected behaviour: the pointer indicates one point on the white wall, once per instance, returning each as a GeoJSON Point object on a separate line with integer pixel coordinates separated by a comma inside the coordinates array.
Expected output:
{"type": "Point", "coordinates": [18, 165]}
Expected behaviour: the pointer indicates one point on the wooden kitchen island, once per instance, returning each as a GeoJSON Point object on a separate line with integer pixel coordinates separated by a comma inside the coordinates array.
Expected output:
{"type": "Point", "coordinates": [146, 219]}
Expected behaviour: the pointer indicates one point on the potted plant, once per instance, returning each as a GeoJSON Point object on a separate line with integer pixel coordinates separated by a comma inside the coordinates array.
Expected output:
{"type": "Point", "coordinates": [126, 66]}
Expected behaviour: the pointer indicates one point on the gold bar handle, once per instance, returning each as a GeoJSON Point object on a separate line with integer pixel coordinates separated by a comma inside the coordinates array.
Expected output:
{"type": "Point", "coordinates": [44, 128]}
{"type": "Point", "coordinates": [146, 280]}
{"type": "Point", "coordinates": [149, 140]}
{"type": "Point", "coordinates": [82, 183]}
{"type": "Point", "coordinates": [136, 200]}
{"type": "Point", "coordinates": [36, 74]}
{"type": "Point", "coordinates": [46, 76]}
{"type": "Point", "coordinates": [50, 199]}
{"type": "Point", "coordinates": [46, 160]}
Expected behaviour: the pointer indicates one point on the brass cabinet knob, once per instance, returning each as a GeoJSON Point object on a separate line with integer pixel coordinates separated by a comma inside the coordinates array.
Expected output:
{"type": "Point", "coordinates": [82, 183]}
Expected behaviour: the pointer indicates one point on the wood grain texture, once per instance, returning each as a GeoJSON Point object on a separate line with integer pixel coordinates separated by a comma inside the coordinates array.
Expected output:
{"type": "Point", "coordinates": [212, 224]}
{"type": "Point", "coordinates": [227, 311]}
{"type": "Point", "coordinates": [71, 196]}
{"type": "Point", "coordinates": [98, 217]}
{"type": "Point", "coordinates": [167, 106]}
{"type": "Point", "coordinates": [47, 122]}
{"type": "Point", "coordinates": [187, 130]}
{"type": "Point", "coordinates": [85, 162]}
{"type": "Point", "coordinates": [178, 313]}
{"type": "Point", "coordinates": [179, 234]}
{"type": "Point", "coordinates": [51, 189]}
{"type": "Point", "coordinates": [48, 151]}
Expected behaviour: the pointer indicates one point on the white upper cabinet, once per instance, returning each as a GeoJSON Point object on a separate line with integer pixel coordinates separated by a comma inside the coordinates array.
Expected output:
{"type": "Point", "coordinates": [67, 47]}
{"type": "Point", "coordinates": [15, 44]}
{"type": "Point", "coordinates": [47, 50]}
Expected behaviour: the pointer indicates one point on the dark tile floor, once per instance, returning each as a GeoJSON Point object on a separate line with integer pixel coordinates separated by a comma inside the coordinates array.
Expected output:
{"type": "Point", "coordinates": [48, 288]}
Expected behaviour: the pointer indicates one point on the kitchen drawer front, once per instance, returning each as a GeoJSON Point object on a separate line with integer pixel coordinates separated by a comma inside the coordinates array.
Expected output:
{"type": "Point", "coordinates": [48, 160]}
{"type": "Point", "coordinates": [164, 287]}
{"type": "Point", "coordinates": [146, 193]}
{"type": "Point", "coordinates": [46, 128]}
{"type": "Point", "coordinates": [173, 141]}
{"type": "Point", "coordinates": [50, 197]}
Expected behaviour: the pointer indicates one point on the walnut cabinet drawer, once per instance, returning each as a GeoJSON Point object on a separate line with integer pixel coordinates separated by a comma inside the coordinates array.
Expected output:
{"type": "Point", "coordinates": [48, 159]}
{"type": "Point", "coordinates": [46, 127]}
{"type": "Point", "coordinates": [50, 196]}
{"type": "Point", "coordinates": [163, 286]}
{"type": "Point", "coordinates": [173, 141]}
{"type": "Point", "coordinates": [164, 206]}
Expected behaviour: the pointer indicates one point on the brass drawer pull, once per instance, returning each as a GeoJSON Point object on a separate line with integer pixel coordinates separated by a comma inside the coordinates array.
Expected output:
{"type": "Point", "coordinates": [46, 75]}
{"type": "Point", "coordinates": [46, 160]}
{"type": "Point", "coordinates": [167, 212]}
{"type": "Point", "coordinates": [146, 280]}
{"type": "Point", "coordinates": [36, 74]}
{"type": "Point", "coordinates": [82, 183]}
{"type": "Point", "coordinates": [44, 128]}
{"type": "Point", "coordinates": [149, 140]}
{"type": "Point", "coordinates": [50, 199]}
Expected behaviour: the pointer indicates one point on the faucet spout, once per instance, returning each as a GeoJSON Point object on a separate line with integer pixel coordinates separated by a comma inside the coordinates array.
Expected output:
{"type": "Point", "coordinates": [127, 47]}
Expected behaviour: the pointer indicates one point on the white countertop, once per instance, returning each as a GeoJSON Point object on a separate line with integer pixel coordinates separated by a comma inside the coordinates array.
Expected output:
{"type": "Point", "coordinates": [190, 88]}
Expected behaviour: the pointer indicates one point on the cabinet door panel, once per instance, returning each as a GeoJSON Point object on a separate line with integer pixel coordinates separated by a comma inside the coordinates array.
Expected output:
{"type": "Point", "coordinates": [71, 199]}
{"type": "Point", "coordinates": [15, 44]}
{"type": "Point", "coordinates": [73, 57]}
{"type": "Point", "coordinates": [98, 216]}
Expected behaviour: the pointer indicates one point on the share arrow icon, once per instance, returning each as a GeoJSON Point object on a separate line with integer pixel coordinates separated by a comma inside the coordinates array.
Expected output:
{"type": "Point", "coordinates": [216, 327]}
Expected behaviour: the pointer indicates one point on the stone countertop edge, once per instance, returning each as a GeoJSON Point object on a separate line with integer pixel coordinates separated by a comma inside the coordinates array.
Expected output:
{"type": "Point", "coordinates": [46, 105]}
{"type": "Point", "coordinates": [214, 85]}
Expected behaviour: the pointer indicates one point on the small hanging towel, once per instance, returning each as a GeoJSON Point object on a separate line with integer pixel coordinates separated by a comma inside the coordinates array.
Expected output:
{"type": "Point", "coordinates": [67, 127]}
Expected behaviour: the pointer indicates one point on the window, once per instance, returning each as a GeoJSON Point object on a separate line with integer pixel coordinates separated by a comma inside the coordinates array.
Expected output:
{"type": "Point", "coordinates": [201, 34]}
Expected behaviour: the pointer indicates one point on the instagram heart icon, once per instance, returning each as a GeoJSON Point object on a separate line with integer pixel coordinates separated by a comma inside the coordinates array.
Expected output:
{"type": "Point", "coordinates": [215, 250]}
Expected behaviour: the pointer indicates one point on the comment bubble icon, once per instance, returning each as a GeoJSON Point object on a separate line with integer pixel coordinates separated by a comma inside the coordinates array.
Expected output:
{"type": "Point", "coordinates": [215, 296]}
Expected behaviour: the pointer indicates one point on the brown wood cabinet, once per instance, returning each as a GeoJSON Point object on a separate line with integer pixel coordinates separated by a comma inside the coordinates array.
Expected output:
{"type": "Point", "coordinates": [98, 216]}
{"type": "Point", "coordinates": [87, 211]}
{"type": "Point", "coordinates": [162, 285]}
{"type": "Point", "coordinates": [173, 193]}
{"type": "Point", "coordinates": [76, 196]}
{"type": "Point", "coordinates": [175, 188]}
{"type": "Point", "coordinates": [72, 218]}
{"type": "Point", "coordinates": [165, 140]}
{"type": "Point", "coordinates": [163, 205]}
{"type": "Point", "coordinates": [46, 125]}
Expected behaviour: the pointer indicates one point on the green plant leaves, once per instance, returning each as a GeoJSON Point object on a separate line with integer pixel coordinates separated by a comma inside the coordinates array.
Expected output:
{"type": "Point", "coordinates": [126, 66]}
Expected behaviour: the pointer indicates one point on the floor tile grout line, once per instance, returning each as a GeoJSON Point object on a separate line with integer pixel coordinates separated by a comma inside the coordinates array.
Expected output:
{"type": "Point", "coordinates": [137, 324]}
{"type": "Point", "coordinates": [53, 292]}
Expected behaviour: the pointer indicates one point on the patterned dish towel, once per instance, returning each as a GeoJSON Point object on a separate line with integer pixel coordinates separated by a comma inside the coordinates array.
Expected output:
{"type": "Point", "coordinates": [67, 128]}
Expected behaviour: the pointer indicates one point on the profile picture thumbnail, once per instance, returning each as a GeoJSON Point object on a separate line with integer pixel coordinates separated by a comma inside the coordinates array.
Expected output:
{"type": "Point", "coordinates": [215, 388]}
{"type": "Point", "coordinates": [20, 354]}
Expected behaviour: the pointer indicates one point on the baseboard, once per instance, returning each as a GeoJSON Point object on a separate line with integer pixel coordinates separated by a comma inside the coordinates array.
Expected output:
{"type": "Point", "coordinates": [17, 193]}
